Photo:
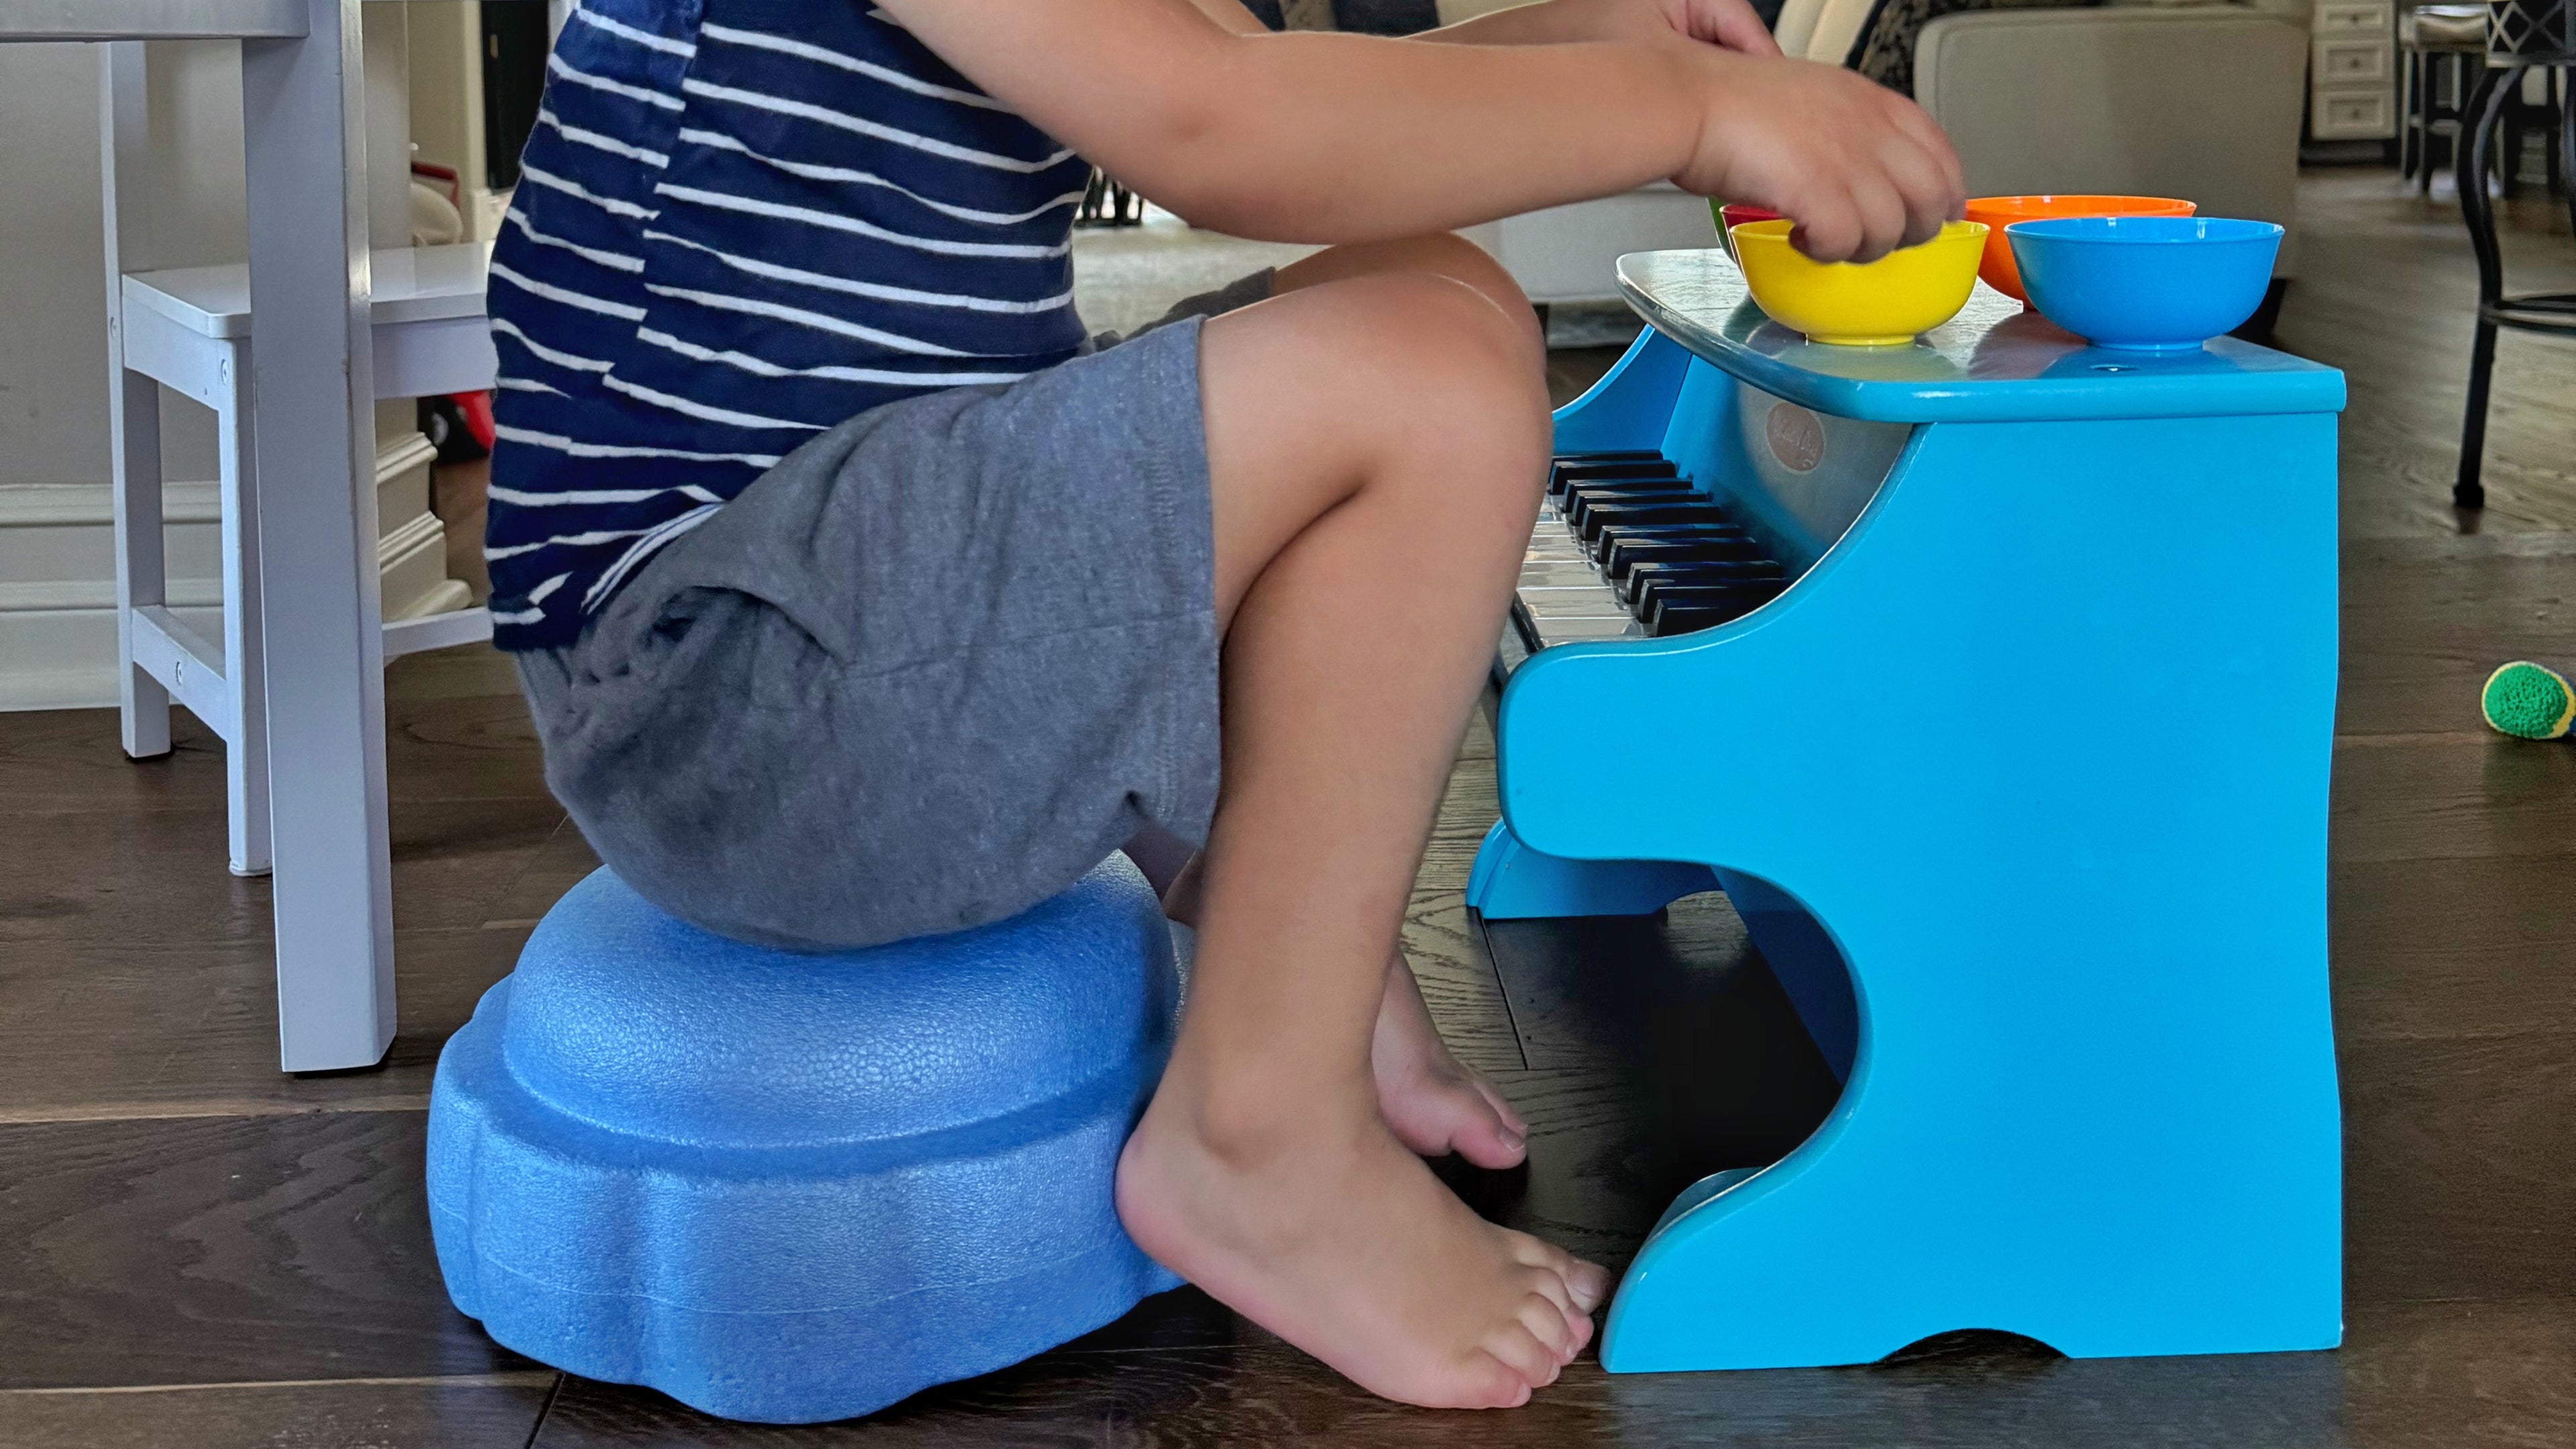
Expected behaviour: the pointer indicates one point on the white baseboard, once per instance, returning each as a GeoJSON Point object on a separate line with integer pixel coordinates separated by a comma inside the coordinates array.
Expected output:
{"type": "Point", "coordinates": [58, 587]}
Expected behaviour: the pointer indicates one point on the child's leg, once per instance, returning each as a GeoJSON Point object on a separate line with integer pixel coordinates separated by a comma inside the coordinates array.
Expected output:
{"type": "Point", "coordinates": [1375, 448]}
{"type": "Point", "coordinates": [1434, 1103]}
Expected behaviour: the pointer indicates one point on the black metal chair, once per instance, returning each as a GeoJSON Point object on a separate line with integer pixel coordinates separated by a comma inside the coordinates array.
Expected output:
{"type": "Point", "coordinates": [2521, 35]}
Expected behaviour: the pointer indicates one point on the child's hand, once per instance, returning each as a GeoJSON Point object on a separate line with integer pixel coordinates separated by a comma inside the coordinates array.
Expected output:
{"type": "Point", "coordinates": [1861, 169]}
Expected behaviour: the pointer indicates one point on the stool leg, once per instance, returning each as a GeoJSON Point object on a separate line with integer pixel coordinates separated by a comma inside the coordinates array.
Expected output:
{"type": "Point", "coordinates": [2564, 153]}
{"type": "Point", "coordinates": [2478, 125]}
{"type": "Point", "coordinates": [246, 758]}
{"type": "Point", "coordinates": [2467, 491]}
{"type": "Point", "coordinates": [142, 570]}
{"type": "Point", "coordinates": [2410, 112]}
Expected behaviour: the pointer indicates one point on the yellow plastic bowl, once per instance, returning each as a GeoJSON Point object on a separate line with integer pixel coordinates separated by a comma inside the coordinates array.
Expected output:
{"type": "Point", "coordinates": [1860, 304]}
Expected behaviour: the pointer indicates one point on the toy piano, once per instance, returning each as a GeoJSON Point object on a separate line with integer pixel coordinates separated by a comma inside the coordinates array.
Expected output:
{"type": "Point", "coordinates": [1993, 679]}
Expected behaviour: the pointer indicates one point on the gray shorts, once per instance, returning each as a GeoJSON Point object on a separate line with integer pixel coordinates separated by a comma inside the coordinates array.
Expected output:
{"type": "Point", "coordinates": [923, 674]}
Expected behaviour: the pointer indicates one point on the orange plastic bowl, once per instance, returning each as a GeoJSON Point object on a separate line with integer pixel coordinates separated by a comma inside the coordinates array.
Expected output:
{"type": "Point", "coordinates": [1998, 212]}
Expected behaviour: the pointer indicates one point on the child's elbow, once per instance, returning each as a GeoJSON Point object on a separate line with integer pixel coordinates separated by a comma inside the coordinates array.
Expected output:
{"type": "Point", "coordinates": [1201, 158]}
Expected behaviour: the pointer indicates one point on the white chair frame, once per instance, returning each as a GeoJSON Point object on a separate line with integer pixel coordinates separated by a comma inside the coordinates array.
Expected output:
{"type": "Point", "coordinates": [190, 331]}
{"type": "Point", "coordinates": [311, 433]}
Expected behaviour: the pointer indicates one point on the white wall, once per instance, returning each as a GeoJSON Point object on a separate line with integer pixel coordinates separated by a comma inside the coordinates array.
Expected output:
{"type": "Point", "coordinates": [57, 630]}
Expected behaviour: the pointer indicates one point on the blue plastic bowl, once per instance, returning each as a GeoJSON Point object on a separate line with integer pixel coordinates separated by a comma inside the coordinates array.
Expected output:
{"type": "Point", "coordinates": [2147, 283]}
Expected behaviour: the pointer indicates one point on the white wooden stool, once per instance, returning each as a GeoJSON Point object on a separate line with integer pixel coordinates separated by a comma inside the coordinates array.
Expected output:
{"type": "Point", "coordinates": [190, 330]}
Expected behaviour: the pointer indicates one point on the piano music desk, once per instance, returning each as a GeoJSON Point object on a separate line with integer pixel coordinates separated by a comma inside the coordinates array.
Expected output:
{"type": "Point", "coordinates": [2020, 786]}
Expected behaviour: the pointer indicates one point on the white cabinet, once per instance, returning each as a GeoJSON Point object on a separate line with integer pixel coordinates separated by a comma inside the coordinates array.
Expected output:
{"type": "Point", "coordinates": [2352, 71]}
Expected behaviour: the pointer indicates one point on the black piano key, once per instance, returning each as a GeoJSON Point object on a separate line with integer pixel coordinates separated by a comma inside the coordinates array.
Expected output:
{"type": "Point", "coordinates": [1602, 515]}
{"type": "Point", "coordinates": [1622, 487]}
{"type": "Point", "coordinates": [1582, 498]}
{"type": "Point", "coordinates": [1566, 462]}
{"type": "Point", "coordinates": [1666, 622]}
{"type": "Point", "coordinates": [1656, 599]}
{"type": "Point", "coordinates": [1627, 484]}
{"type": "Point", "coordinates": [1724, 539]}
{"type": "Point", "coordinates": [1695, 573]}
{"type": "Point", "coordinates": [1706, 591]}
{"type": "Point", "coordinates": [1607, 455]}
{"type": "Point", "coordinates": [1647, 465]}
{"type": "Point", "coordinates": [1626, 551]}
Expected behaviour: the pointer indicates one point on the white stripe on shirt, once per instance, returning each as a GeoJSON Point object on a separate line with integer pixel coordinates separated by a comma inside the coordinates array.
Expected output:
{"type": "Point", "coordinates": [644, 38]}
{"type": "Point", "coordinates": [834, 372]}
{"type": "Point", "coordinates": [508, 328]}
{"type": "Point", "coordinates": [725, 201]}
{"type": "Point", "coordinates": [704, 412]}
{"type": "Point", "coordinates": [811, 172]}
{"type": "Point", "coordinates": [579, 192]}
{"type": "Point", "coordinates": [568, 297]}
{"type": "Point", "coordinates": [614, 261]}
{"type": "Point", "coordinates": [833, 58]}
{"type": "Point", "coordinates": [561, 444]}
{"type": "Point", "coordinates": [843, 120]}
{"type": "Point", "coordinates": [855, 288]}
{"type": "Point", "coordinates": [555, 66]}
{"type": "Point", "coordinates": [583, 136]}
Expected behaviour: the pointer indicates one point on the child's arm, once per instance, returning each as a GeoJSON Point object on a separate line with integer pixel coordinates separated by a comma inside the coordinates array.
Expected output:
{"type": "Point", "coordinates": [1730, 23]}
{"type": "Point", "coordinates": [1327, 137]}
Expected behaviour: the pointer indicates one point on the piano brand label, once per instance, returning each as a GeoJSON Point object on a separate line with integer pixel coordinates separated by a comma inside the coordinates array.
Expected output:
{"type": "Point", "coordinates": [1796, 437]}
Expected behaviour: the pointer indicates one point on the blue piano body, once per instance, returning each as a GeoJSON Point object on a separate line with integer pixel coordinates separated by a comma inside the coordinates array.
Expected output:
{"type": "Point", "coordinates": [2020, 784]}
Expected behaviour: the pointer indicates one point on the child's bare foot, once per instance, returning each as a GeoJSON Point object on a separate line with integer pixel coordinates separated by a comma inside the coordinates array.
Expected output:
{"type": "Point", "coordinates": [1321, 1227]}
{"type": "Point", "coordinates": [1434, 1103]}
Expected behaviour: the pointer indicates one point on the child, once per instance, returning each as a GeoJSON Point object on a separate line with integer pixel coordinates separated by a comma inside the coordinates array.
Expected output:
{"type": "Point", "coordinates": [859, 595]}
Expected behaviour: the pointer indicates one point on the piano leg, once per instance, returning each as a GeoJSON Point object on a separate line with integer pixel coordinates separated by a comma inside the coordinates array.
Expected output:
{"type": "Point", "coordinates": [1511, 882]}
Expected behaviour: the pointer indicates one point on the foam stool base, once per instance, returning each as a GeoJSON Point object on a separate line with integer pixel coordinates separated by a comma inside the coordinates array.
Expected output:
{"type": "Point", "coordinates": [793, 1188]}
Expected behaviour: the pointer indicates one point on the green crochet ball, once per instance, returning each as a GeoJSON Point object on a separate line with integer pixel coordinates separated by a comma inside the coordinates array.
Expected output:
{"type": "Point", "coordinates": [2527, 700]}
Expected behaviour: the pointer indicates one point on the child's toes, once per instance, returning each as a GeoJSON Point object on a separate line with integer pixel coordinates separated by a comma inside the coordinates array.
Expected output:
{"type": "Point", "coordinates": [1520, 1350]}
{"type": "Point", "coordinates": [1547, 1322]}
{"type": "Point", "coordinates": [1587, 1283]}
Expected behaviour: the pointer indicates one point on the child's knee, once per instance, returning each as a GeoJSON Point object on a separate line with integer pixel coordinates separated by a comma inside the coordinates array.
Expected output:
{"type": "Point", "coordinates": [1460, 313]}
{"type": "Point", "coordinates": [1457, 358]}
{"type": "Point", "coordinates": [1454, 256]}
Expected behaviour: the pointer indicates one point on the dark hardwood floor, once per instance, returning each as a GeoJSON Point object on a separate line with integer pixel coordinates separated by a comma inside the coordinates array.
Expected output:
{"type": "Point", "coordinates": [197, 1251]}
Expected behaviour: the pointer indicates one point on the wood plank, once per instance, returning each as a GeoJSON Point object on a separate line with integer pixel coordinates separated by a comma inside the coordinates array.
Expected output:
{"type": "Point", "coordinates": [157, 877]}
{"type": "Point", "coordinates": [2456, 1176]}
{"type": "Point", "coordinates": [1458, 982]}
{"type": "Point", "coordinates": [2453, 948]}
{"type": "Point", "coordinates": [2430, 1374]}
{"type": "Point", "coordinates": [1060, 1401]}
{"type": "Point", "coordinates": [495, 1412]}
{"type": "Point", "coordinates": [2458, 798]}
{"type": "Point", "coordinates": [103, 1030]}
{"type": "Point", "coordinates": [2422, 630]}
{"type": "Point", "coordinates": [2441, 1375]}
{"type": "Point", "coordinates": [1266, 1393]}
{"type": "Point", "coordinates": [213, 1250]}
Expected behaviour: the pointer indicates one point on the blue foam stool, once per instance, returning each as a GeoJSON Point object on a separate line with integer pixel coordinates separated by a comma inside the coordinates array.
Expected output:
{"type": "Point", "coordinates": [788, 1187]}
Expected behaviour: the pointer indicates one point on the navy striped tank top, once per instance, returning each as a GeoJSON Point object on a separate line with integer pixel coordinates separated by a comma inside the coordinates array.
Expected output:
{"type": "Point", "coordinates": [739, 223]}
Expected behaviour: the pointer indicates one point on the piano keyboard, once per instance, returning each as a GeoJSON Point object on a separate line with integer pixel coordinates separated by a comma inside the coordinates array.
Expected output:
{"type": "Point", "coordinates": [1626, 548]}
